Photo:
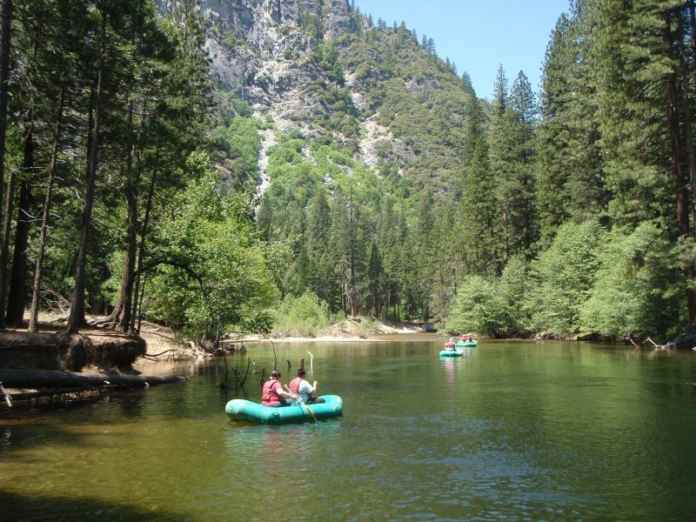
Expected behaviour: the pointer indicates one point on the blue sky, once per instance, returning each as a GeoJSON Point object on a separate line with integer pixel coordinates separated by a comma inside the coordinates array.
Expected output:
{"type": "Point", "coordinates": [478, 35]}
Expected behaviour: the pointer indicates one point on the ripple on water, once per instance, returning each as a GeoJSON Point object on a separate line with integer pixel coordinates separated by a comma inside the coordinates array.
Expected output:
{"type": "Point", "coordinates": [514, 432]}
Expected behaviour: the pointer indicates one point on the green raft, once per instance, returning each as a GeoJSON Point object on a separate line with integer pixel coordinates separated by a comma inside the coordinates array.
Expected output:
{"type": "Point", "coordinates": [467, 344]}
{"type": "Point", "coordinates": [330, 406]}
{"type": "Point", "coordinates": [451, 353]}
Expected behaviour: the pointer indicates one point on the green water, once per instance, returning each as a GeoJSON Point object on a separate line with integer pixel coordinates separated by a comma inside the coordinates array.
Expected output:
{"type": "Point", "coordinates": [514, 431]}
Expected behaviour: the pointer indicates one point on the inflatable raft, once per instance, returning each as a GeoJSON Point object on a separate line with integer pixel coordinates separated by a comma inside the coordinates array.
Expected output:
{"type": "Point", "coordinates": [451, 353]}
{"type": "Point", "coordinates": [467, 344]}
{"type": "Point", "coordinates": [239, 409]}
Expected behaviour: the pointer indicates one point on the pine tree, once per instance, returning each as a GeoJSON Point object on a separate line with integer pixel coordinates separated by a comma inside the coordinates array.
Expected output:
{"type": "Point", "coordinates": [645, 114]}
{"type": "Point", "coordinates": [478, 215]}
{"type": "Point", "coordinates": [5, 50]}
{"type": "Point", "coordinates": [500, 92]}
{"type": "Point", "coordinates": [375, 281]}
{"type": "Point", "coordinates": [570, 175]}
{"type": "Point", "coordinates": [511, 163]}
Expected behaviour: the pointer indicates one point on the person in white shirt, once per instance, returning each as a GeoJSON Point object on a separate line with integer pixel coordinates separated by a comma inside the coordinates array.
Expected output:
{"type": "Point", "coordinates": [299, 386]}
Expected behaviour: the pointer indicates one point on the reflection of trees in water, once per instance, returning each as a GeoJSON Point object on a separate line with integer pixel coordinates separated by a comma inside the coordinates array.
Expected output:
{"type": "Point", "coordinates": [26, 435]}
{"type": "Point", "coordinates": [131, 405]}
{"type": "Point", "coordinates": [33, 507]}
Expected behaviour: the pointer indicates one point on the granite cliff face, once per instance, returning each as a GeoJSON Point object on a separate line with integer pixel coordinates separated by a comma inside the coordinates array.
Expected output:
{"type": "Point", "coordinates": [325, 70]}
{"type": "Point", "coordinates": [262, 50]}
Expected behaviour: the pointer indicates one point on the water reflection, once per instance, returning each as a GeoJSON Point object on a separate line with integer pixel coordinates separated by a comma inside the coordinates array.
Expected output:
{"type": "Point", "coordinates": [509, 431]}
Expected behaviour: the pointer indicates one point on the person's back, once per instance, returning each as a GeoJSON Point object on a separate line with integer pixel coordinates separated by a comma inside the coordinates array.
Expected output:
{"type": "Point", "coordinates": [300, 387]}
{"type": "Point", "coordinates": [294, 385]}
{"type": "Point", "coordinates": [272, 393]}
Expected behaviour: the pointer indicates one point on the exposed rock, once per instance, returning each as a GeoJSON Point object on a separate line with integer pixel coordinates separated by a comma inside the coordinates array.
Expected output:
{"type": "Point", "coordinates": [263, 51]}
{"type": "Point", "coordinates": [422, 86]}
{"type": "Point", "coordinates": [376, 141]}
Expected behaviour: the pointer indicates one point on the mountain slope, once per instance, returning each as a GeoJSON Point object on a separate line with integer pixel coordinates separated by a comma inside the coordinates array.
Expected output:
{"type": "Point", "coordinates": [321, 68]}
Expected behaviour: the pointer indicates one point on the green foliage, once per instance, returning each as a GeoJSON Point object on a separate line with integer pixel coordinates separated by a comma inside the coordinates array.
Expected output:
{"type": "Point", "coordinates": [637, 289]}
{"type": "Point", "coordinates": [514, 288]}
{"type": "Point", "coordinates": [633, 66]}
{"type": "Point", "coordinates": [326, 56]}
{"type": "Point", "coordinates": [303, 316]}
{"type": "Point", "coordinates": [211, 274]}
{"type": "Point", "coordinates": [236, 149]}
{"type": "Point", "coordinates": [493, 306]}
{"type": "Point", "coordinates": [561, 279]}
{"type": "Point", "coordinates": [479, 225]}
{"type": "Point", "coordinates": [415, 95]}
{"type": "Point", "coordinates": [478, 308]}
{"type": "Point", "coordinates": [512, 157]}
{"type": "Point", "coordinates": [570, 173]}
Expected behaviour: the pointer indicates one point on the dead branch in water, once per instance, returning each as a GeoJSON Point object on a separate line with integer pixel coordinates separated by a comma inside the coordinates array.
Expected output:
{"type": "Point", "coordinates": [8, 399]}
{"type": "Point", "coordinates": [160, 354]}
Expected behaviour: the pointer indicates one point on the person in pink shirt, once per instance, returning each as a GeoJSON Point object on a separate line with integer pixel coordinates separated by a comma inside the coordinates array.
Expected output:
{"type": "Point", "coordinates": [273, 394]}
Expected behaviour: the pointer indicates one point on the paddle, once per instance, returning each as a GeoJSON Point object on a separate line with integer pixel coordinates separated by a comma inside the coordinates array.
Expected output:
{"type": "Point", "coordinates": [307, 409]}
{"type": "Point", "coordinates": [311, 364]}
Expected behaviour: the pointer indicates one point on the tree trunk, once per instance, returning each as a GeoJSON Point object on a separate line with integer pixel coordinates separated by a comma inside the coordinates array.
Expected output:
{"type": "Point", "coordinates": [673, 118]}
{"type": "Point", "coordinates": [58, 379]}
{"type": "Point", "coordinates": [18, 289]}
{"type": "Point", "coordinates": [132, 233]}
{"type": "Point", "coordinates": [682, 184]}
{"type": "Point", "coordinates": [5, 46]}
{"type": "Point", "coordinates": [34, 313]}
{"type": "Point", "coordinates": [140, 282]}
{"type": "Point", "coordinates": [77, 304]}
{"type": "Point", "coordinates": [688, 142]}
{"type": "Point", "coordinates": [5, 246]}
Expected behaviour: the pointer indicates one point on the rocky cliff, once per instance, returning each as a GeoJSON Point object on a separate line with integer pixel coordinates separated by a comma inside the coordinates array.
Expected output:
{"type": "Point", "coordinates": [325, 70]}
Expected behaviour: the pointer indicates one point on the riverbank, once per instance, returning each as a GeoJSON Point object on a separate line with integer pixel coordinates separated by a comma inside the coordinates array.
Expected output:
{"type": "Point", "coordinates": [53, 367]}
{"type": "Point", "coordinates": [351, 330]}
{"type": "Point", "coordinates": [44, 364]}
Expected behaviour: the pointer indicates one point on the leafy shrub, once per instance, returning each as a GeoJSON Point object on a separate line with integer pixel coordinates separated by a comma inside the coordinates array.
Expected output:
{"type": "Point", "coordinates": [478, 308]}
{"type": "Point", "coordinates": [637, 289]}
{"type": "Point", "coordinates": [513, 289]}
{"type": "Point", "coordinates": [305, 315]}
{"type": "Point", "coordinates": [562, 278]}
{"type": "Point", "coordinates": [211, 274]}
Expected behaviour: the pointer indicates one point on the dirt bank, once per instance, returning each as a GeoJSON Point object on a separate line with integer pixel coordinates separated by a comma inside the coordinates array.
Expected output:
{"type": "Point", "coordinates": [346, 331]}
{"type": "Point", "coordinates": [60, 351]}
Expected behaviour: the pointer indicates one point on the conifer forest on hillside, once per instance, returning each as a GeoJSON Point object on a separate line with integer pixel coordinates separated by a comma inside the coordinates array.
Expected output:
{"type": "Point", "coordinates": [221, 166]}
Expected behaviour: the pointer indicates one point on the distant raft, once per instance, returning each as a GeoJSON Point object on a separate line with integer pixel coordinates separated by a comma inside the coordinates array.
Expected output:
{"type": "Point", "coordinates": [451, 353]}
{"type": "Point", "coordinates": [467, 344]}
{"type": "Point", "coordinates": [330, 406]}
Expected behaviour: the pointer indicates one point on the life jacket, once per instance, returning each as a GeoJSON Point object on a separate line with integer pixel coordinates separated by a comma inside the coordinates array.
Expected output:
{"type": "Point", "coordinates": [269, 395]}
{"type": "Point", "coordinates": [295, 385]}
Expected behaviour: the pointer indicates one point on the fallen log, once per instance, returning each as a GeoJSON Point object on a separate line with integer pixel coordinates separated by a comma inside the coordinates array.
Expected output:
{"type": "Point", "coordinates": [57, 379]}
{"type": "Point", "coordinates": [636, 346]}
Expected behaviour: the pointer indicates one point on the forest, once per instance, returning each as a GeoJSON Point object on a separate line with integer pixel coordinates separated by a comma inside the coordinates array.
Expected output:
{"type": "Point", "coordinates": [130, 178]}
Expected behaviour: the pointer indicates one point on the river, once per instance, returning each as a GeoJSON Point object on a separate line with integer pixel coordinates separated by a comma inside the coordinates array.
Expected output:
{"type": "Point", "coordinates": [518, 431]}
